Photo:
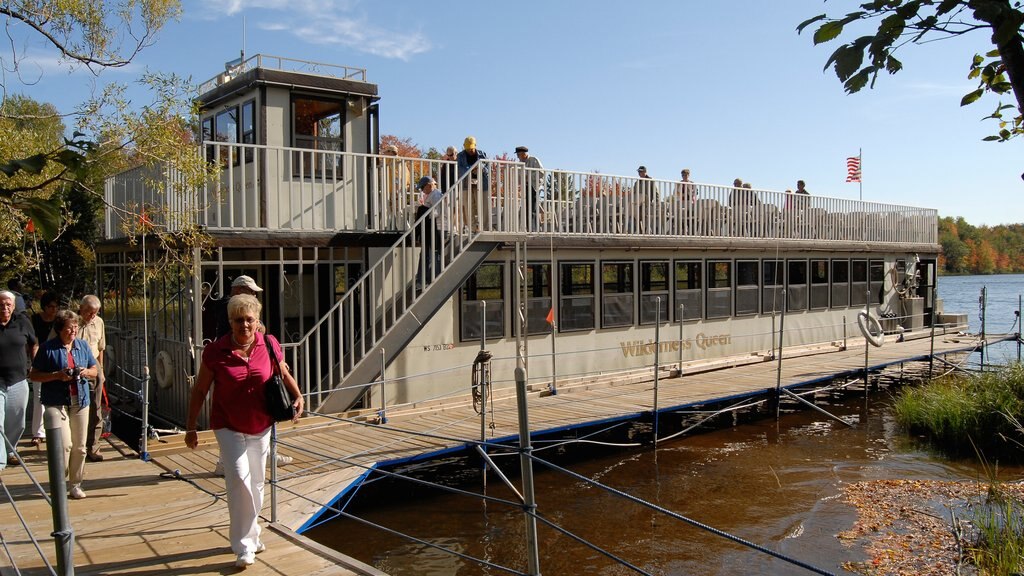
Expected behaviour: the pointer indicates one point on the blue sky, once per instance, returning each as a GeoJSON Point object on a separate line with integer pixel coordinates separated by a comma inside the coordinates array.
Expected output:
{"type": "Point", "coordinates": [727, 89]}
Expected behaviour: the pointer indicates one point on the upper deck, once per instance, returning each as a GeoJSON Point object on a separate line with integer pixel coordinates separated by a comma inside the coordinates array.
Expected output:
{"type": "Point", "coordinates": [260, 189]}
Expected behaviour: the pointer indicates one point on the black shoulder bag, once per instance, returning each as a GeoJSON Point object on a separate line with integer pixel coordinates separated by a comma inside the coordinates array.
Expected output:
{"type": "Point", "coordinates": [279, 401]}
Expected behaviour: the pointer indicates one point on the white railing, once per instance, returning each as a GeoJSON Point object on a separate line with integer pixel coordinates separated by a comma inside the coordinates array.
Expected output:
{"type": "Point", "coordinates": [234, 69]}
{"type": "Point", "coordinates": [375, 302]}
{"type": "Point", "coordinates": [276, 188]}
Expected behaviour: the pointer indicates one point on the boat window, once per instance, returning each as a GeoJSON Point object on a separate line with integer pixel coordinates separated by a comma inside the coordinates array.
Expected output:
{"type": "Point", "coordinates": [719, 289]}
{"type": "Point", "coordinates": [819, 284]}
{"type": "Point", "coordinates": [576, 301]}
{"type": "Point", "coordinates": [858, 282]}
{"type": "Point", "coordinates": [225, 130]}
{"type": "Point", "coordinates": [840, 283]}
{"type": "Point", "coordinates": [248, 127]}
{"type": "Point", "coordinates": [876, 281]}
{"type": "Point", "coordinates": [616, 294]}
{"type": "Point", "coordinates": [317, 126]}
{"type": "Point", "coordinates": [654, 285]}
{"type": "Point", "coordinates": [345, 275]}
{"type": "Point", "coordinates": [796, 285]}
{"type": "Point", "coordinates": [748, 292]}
{"type": "Point", "coordinates": [689, 290]}
{"type": "Point", "coordinates": [485, 286]}
{"type": "Point", "coordinates": [773, 280]}
{"type": "Point", "coordinates": [208, 137]}
{"type": "Point", "coordinates": [538, 298]}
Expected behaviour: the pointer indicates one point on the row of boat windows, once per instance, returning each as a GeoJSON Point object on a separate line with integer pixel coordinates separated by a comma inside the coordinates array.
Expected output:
{"type": "Point", "coordinates": [616, 293]}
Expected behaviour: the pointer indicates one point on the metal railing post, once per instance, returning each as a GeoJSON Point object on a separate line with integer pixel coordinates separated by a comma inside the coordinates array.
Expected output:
{"type": "Point", "coordinates": [867, 345]}
{"type": "Point", "coordinates": [382, 416]}
{"type": "Point", "coordinates": [273, 473]}
{"type": "Point", "coordinates": [1018, 327]}
{"type": "Point", "coordinates": [682, 309]}
{"type": "Point", "coordinates": [63, 533]}
{"type": "Point", "coordinates": [984, 308]}
{"type": "Point", "coordinates": [526, 464]}
{"type": "Point", "coordinates": [778, 360]}
{"type": "Point", "coordinates": [657, 358]}
{"type": "Point", "coordinates": [931, 351]}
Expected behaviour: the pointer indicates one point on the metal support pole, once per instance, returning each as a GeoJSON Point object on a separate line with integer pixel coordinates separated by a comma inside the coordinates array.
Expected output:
{"type": "Point", "coordinates": [657, 361]}
{"type": "Point", "coordinates": [778, 360]}
{"type": "Point", "coordinates": [382, 416]}
{"type": "Point", "coordinates": [483, 389]}
{"type": "Point", "coordinates": [144, 440]}
{"type": "Point", "coordinates": [984, 308]}
{"type": "Point", "coordinates": [682, 309]}
{"type": "Point", "coordinates": [931, 351]}
{"type": "Point", "coordinates": [867, 345]}
{"type": "Point", "coordinates": [63, 533]}
{"type": "Point", "coordinates": [526, 464]}
{"type": "Point", "coordinates": [273, 473]}
{"type": "Point", "coordinates": [1018, 327]}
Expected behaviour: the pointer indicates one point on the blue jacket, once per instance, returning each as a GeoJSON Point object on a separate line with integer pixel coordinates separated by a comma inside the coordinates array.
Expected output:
{"type": "Point", "coordinates": [53, 357]}
{"type": "Point", "coordinates": [464, 165]}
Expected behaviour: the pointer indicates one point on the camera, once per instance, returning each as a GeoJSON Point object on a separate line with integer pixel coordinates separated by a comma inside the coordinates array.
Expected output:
{"type": "Point", "coordinates": [75, 372]}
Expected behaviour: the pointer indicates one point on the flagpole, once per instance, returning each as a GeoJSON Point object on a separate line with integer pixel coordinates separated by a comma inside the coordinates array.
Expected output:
{"type": "Point", "coordinates": [860, 179]}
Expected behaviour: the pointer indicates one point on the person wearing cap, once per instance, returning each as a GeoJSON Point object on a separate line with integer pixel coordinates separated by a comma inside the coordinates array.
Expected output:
{"type": "Point", "coordinates": [476, 185]}
{"type": "Point", "coordinates": [534, 182]}
{"type": "Point", "coordinates": [241, 285]}
{"type": "Point", "coordinates": [640, 214]}
{"type": "Point", "coordinates": [430, 258]}
{"type": "Point", "coordinates": [682, 213]}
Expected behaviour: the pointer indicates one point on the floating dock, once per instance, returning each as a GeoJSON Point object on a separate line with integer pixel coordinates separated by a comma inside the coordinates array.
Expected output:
{"type": "Point", "coordinates": [169, 515]}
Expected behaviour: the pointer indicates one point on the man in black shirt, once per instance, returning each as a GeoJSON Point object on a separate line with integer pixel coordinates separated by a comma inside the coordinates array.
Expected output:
{"type": "Point", "coordinates": [17, 347]}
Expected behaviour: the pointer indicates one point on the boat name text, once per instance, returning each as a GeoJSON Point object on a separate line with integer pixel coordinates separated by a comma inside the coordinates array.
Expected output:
{"type": "Point", "coordinates": [701, 341]}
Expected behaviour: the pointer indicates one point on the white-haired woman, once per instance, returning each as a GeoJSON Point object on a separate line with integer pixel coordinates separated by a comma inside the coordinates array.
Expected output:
{"type": "Point", "coordinates": [238, 365]}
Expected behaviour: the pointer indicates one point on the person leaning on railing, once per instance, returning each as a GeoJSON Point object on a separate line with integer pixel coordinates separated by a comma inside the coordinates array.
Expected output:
{"type": "Point", "coordinates": [476, 188]}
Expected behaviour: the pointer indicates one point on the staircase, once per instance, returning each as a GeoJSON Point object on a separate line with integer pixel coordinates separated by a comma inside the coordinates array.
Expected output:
{"type": "Point", "coordinates": [343, 354]}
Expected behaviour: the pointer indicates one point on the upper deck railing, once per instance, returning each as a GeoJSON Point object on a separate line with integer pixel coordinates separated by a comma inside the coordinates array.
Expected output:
{"type": "Point", "coordinates": [264, 188]}
{"type": "Point", "coordinates": [238, 67]}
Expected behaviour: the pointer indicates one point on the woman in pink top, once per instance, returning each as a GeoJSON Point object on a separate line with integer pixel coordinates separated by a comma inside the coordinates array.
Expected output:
{"type": "Point", "coordinates": [238, 365]}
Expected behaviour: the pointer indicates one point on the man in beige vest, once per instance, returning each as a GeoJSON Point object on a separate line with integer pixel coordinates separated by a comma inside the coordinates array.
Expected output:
{"type": "Point", "coordinates": [92, 330]}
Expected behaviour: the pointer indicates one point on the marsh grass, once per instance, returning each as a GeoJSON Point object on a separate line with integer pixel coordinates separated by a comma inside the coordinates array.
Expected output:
{"type": "Point", "coordinates": [998, 545]}
{"type": "Point", "coordinates": [963, 413]}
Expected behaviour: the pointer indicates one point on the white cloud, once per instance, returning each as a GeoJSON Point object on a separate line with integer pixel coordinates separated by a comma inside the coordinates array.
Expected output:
{"type": "Point", "coordinates": [321, 22]}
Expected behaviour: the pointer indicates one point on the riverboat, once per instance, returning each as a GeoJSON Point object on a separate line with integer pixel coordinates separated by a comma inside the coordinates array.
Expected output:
{"type": "Point", "coordinates": [609, 274]}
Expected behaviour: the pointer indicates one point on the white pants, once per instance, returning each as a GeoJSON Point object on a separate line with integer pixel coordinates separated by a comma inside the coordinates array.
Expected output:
{"type": "Point", "coordinates": [74, 422]}
{"type": "Point", "coordinates": [245, 463]}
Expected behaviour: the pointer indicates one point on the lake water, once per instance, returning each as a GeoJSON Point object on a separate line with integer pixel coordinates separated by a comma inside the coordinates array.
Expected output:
{"type": "Point", "coordinates": [776, 484]}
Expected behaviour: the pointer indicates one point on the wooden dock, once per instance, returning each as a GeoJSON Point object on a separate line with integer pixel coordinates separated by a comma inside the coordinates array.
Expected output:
{"type": "Point", "coordinates": [169, 516]}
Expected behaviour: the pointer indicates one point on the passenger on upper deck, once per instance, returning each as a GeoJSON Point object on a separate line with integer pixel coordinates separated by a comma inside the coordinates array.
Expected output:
{"type": "Point", "coordinates": [476, 185]}
{"type": "Point", "coordinates": [534, 183]}
{"type": "Point", "coordinates": [641, 212]}
{"type": "Point", "coordinates": [686, 190]}
{"type": "Point", "coordinates": [449, 172]}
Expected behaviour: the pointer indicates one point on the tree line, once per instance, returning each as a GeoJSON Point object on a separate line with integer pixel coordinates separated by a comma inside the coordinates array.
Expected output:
{"type": "Point", "coordinates": [968, 249]}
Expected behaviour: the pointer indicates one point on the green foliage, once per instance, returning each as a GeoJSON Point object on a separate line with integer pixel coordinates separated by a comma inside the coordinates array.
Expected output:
{"type": "Point", "coordinates": [961, 413]}
{"type": "Point", "coordinates": [999, 525]}
{"type": "Point", "coordinates": [858, 63]}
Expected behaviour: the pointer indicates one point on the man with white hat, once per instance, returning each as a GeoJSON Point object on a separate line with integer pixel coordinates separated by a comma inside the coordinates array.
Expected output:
{"type": "Point", "coordinates": [240, 285]}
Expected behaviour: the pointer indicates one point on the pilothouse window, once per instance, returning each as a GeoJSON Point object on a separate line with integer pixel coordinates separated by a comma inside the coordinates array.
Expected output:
{"type": "Point", "coordinates": [317, 126]}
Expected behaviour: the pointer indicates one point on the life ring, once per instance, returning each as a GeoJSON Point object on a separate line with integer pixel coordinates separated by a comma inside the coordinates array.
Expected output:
{"type": "Point", "coordinates": [109, 361]}
{"type": "Point", "coordinates": [871, 328]}
{"type": "Point", "coordinates": [164, 371]}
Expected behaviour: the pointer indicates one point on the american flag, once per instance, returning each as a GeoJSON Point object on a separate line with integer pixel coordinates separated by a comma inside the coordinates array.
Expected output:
{"type": "Point", "coordinates": [853, 169]}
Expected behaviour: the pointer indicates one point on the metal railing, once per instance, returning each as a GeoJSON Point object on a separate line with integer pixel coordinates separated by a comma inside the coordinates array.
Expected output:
{"type": "Point", "coordinates": [234, 69]}
{"type": "Point", "coordinates": [282, 188]}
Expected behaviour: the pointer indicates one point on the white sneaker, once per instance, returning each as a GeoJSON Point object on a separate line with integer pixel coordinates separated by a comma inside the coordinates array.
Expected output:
{"type": "Point", "coordinates": [245, 560]}
{"type": "Point", "coordinates": [218, 469]}
{"type": "Point", "coordinates": [282, 459]}
{"type": "Point", "coordinates": [260, 547]}
{"type": "Point", "coordinates": [76, 492]}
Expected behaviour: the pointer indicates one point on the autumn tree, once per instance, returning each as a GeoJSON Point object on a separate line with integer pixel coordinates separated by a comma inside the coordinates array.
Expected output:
{"type": "Point", "coordinates": [999, 71]}
{"type": "Point", "coordinates": [110, 133]}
